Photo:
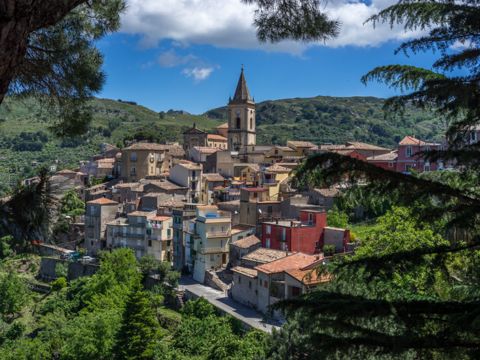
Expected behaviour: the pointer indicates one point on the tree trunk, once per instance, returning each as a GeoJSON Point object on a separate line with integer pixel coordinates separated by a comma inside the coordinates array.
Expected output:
{"type": "Point", "coordinates": [13, 41]}
{"type": "Point", "coordinates": [19, 18]}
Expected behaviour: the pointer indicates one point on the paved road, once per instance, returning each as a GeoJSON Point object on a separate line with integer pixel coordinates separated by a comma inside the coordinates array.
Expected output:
{"type": "Point", "coordinates": [220, 300]}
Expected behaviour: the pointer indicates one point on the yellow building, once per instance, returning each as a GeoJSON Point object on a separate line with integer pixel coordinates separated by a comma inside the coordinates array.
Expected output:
{"type": "Point", "coordinates": [272, 177]}
{"type": "Point", "coordinates": [142, 160]}
{"type": "Point", "coordinates": [217, 141]}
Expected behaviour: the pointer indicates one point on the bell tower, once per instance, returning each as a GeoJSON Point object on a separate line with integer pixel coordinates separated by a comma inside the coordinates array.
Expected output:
{"type": "Point", "coordinates": [241, 118]}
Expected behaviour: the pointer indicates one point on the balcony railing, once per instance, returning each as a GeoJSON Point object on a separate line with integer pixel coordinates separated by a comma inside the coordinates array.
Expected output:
{"type": "Point", "coordinates": [212, 234]}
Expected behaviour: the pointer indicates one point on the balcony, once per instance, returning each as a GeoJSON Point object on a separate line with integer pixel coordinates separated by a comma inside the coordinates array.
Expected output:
{"type": "Point", "coordinates": [214, 234]}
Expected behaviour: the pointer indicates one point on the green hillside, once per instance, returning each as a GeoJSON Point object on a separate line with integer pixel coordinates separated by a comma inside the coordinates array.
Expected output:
{"type": "Point", "coordinates": [325, 119]}
{"type": "Point", "coordinates": [25, 141]}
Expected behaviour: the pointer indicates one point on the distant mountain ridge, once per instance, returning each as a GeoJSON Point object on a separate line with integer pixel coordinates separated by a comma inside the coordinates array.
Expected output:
{"type": "Point", "coordinates": [326, 119]}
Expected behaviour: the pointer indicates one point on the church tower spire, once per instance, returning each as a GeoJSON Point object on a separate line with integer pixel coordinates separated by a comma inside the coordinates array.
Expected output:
{"type": "Point", "coordinates": [242, 95]}
{"type": "Point", "coordinates": [241, 117]}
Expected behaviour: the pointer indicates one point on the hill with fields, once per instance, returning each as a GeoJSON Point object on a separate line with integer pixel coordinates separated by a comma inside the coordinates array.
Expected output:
{"type": "Point", "coordinates": [26, 142]}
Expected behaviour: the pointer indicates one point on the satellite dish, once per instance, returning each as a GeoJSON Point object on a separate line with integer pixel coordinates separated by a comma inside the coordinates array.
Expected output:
{"type": "Point", "coordinates": [259, 211]}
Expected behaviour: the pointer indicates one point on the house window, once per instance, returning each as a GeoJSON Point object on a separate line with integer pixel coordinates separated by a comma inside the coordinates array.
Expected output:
{"type": "Point", "coordinates": [212, 257]}
{"type": "Point", "coordinates": [133, 171]}
{"type": "Point", "coordinates": [408, 151]}
{"type": "Point", "coordinates": [169, 231]}
{"type": "Point", "coordinates": [310, 218]}
{"type": "Point", "coordinates": [265, 284]}
{"type": "Point", "coordinates": [249, 284]}
{"type": "Point", "coordinates": [251, 123]}
{"type": "Point", "coordinates": [150, 243]}
{"type": "Point", "coordinates": [133, 156]}
{"type": "Point", "coordinates": [267, 243]}
{"type": "Point", "coordinates": [239, 279]}
{"type": "Point", "coordinates": [238, 122]}
{"type": "Point", "coordinates": [268, 229]}
{"type": "Point", "coordinates": [426, 166]}
{"type": "Point", "coordinates": [390, 164]}
{"type": "Point", "coordinates": [269, 209]}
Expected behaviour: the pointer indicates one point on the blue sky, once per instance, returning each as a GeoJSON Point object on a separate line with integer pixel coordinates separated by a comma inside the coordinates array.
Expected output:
{"type": "Point", "coordinates": [160, 60]}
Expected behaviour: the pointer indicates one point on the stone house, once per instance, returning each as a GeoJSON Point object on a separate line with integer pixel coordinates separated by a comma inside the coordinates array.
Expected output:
{"type": "Point", "coordinates": [97, 214]}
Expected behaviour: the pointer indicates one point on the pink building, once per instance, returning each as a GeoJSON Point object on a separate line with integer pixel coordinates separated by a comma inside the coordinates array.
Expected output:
{"type": "Point", "coordinates": [410, 155]}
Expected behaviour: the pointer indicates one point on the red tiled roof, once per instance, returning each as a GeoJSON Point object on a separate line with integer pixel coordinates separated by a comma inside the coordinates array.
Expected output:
{"type": "Point", "coordinates": [216, 137]}
{"type": "Point", "coordinates": [161, 218]}
{"type": "Point", "coordinates": [294, 261]}
{"type": "Point", "coordinates": [410, 140]}
{"type": "Point", "coordinates": [308, 277]}
{"type": "Point", "coordinates": [102, 201]}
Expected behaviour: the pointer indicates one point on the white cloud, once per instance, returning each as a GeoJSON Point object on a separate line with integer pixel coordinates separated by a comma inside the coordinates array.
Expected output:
{"type": "Point", "coordinates": [228, 23]}
{"type": "Point", "coordinates": [198, 73]}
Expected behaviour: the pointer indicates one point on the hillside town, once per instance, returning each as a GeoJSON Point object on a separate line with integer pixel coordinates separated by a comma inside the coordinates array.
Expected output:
{"type": "Point", "coordinates": [222, 209]}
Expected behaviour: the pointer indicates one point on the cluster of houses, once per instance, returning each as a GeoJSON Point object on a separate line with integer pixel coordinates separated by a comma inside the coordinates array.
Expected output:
{"type": "Point", "coordinates": [222, 208]}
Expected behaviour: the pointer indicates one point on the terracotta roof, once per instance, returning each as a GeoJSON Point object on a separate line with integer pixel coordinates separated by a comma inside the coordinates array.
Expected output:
{"type": "Point", "coordinates": [102, 201]}
{"type": "Point", "coordinates": [275, 168]}
{"type": "Point", "coordinates": [264, 255]}
{"type": "Point", "coordinates": [213, 177]}
{"type": "Point", "coordinates": [391, 156]}
{"type": "Point", "coordinates": [363, 146]}
{"type": "Point", "coordinates": [216, 137]}
{"type": "Point", "coordinates": [294, 261]}
{"type": "Point", "coordinates": [161, 218]}
{"type": "Point", "coordinates": [245, 271]}
{"type": "Point", "coordinates": [247, 242]}
{"type": "Point", "coordinates": [301, 144]}
{"type": "Point", "coordinates": [255, 189]}
{"type": "Point", "coordinates": [308, 277]}
{"type": "Point", "coordinates": [205, 149]}
{"type": "Point", "coordinates": [223, 126]}
{"type": "Point", "coordinates": [410, 140]}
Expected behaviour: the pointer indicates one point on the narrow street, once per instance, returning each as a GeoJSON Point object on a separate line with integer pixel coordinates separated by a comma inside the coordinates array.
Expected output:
{"type": "Point", "coordinates": [220, 300]}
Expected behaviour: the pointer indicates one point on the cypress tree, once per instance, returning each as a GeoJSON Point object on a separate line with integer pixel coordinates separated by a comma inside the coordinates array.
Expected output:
{"type": "Point", "coordinates": [139, 331]}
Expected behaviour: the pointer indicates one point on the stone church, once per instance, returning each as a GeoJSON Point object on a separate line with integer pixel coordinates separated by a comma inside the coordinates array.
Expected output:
{"type": "Point", "coordinates": [241, 133]}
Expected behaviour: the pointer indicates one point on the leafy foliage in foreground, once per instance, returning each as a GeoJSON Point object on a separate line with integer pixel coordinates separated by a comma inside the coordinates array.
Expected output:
{"type": "Point", "coordinates": [111, 316]}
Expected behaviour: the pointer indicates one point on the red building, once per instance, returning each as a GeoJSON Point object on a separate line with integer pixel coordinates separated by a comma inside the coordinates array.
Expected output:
{"type": "Point", "coordinates": [306, 235]}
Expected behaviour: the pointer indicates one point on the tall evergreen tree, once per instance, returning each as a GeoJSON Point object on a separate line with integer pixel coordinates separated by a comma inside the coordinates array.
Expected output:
{"type": "Point", "coordinates": [139, 331]}
{"type": "Point", "coordinates": [361, 314]}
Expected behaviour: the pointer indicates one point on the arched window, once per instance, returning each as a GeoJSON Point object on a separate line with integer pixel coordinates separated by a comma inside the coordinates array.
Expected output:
{"type": "Point", "coordinates": [251, 123]}
{"type": "Point", "coordinates": [238, 122]}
